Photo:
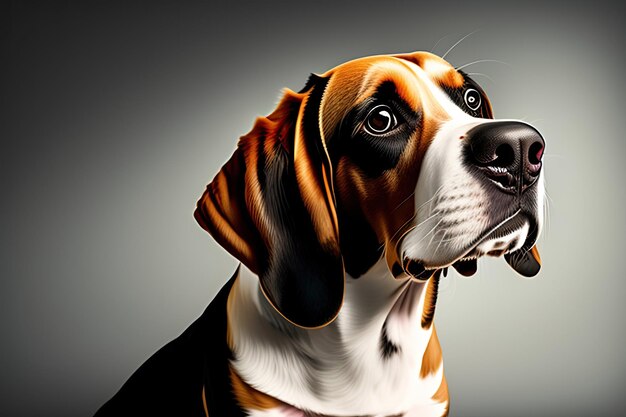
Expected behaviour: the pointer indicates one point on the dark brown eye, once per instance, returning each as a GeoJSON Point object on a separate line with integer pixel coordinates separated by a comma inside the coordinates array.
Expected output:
{"type": "Point", "coordinates": [472, 99]}
{"type": "Point", "coordinates": [380, 120]}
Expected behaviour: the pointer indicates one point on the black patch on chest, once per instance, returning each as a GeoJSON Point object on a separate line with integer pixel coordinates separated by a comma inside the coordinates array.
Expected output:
{"type": "Point", "coordinates": [387, 347]}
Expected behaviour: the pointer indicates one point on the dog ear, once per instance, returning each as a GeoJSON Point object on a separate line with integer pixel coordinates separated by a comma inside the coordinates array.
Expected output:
{"type": "Point", "coordinates": [272, 207]}
{"type": "Point", "coordinates": [526, 263]}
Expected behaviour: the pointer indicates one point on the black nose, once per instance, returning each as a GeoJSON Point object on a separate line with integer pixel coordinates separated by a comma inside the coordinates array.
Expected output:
{"type": "Point", "coordinates": [508, 153]}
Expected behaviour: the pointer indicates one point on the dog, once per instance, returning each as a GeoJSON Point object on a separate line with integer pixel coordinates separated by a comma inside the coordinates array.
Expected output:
{"type": "Point", "coordinates": [344, 206]}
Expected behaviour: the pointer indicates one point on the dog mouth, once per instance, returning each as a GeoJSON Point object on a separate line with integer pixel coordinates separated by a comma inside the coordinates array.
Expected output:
{"type": "Point", "coordinates": [513, 238]}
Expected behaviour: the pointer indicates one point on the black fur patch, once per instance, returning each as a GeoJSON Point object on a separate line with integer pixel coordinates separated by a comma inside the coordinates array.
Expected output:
{"type": "Point", "coordinates": [303, 279]}
{"type": "Point", "coordinates": [311, 82]}
{"type": "Point", "coordinates": [396, 270]}
{"type": "Point", "coordinates": [359, 245]}
{"type": "Point", "coordinates": [375, 154]}
{"type": "Point", "coordinates": [170, 382]}
{"type": "Point", "coordinates": [387, 347]}
{"type": "Point", "coordinates": [457, 96]}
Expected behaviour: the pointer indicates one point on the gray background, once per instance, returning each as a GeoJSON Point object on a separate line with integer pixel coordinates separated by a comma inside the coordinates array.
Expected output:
{"type": "Point", "coordinates": [118, 115]}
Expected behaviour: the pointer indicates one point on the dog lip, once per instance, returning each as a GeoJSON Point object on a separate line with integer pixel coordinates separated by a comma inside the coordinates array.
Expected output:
{"type": "Point", "coordinates": [417, 269]}
{"type": "Point", "coordinates": [509, 223]}
{"type": "Point", "coordinates": [466, 267]}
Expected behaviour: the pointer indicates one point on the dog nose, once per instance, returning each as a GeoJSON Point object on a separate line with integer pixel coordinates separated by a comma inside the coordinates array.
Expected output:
{"type": "Point", "coordinates": [509, 153]}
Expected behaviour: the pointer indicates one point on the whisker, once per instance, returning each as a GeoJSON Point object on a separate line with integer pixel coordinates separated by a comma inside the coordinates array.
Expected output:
{"type": "Point", "coordinates": [483, 60]}
{"type": "Point", "coordinates": [428, 218]}
{"type": "Point", "coordinates": [547, 213]}
{"type": "Point", "coordinates": [435, 195]}
{"type": "Point", "coordinates": [451, 239]}
{"type": "Point", "coordinates": [412, 228]}
{"type": "Point", "coordinates": [403, 201]}
{"type": "Point", "coordinates": [461, 40]}
{"type": "Point", "coordinates": [434, 235]}
{"type": "Point", "coordinates": [430, 200]}
{"type": "Point", "coordinates": [431, 230]}
{"type": "Point", "coordinates": [407, 222]}
{"type": "Point", "coordinates": [456, 238]}
{"type": "Point", "coordinates": [432, 50]}
{"type": "Point", "coordinates": [548, 195]}
{"type": "Point", "coordinates": [441, 240]}
{"type": "Point", "coordinates": [481, 74]}
{"type": "Point", "coordinates": [417, 210]}
{"type": "Point", "coordinates": [400, 228]}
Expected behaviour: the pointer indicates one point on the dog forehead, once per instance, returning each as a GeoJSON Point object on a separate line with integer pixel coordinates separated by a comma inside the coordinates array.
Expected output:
{"type": "Point", "coordinates": [438, 69]}
{"type": "Point", "coordinates": [413, 75]}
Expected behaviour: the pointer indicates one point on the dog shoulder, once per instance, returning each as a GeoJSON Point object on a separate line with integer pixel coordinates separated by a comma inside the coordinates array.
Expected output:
{"type": "Point", "coordinates": [186, 376]}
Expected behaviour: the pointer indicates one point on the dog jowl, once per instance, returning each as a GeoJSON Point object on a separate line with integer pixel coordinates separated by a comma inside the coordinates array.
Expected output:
{"type": "Point", "coordinates": [344, 206]}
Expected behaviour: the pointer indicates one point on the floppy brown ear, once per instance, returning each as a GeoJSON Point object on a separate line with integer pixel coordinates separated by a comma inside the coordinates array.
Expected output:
{"type": "Point", "coordinates": [272, 207]}
{"type": "Point", "coordinates": [526, 263]}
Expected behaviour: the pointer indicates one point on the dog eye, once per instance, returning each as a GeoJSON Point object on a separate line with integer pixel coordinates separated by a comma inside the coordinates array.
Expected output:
{"type": "Point", "coordinates": [472, 99]}
{"type": "Point", "coordinates": [380, 120]}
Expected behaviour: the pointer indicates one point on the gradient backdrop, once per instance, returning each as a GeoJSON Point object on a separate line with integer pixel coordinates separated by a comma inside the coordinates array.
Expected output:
{"type": "Point", "coordinates": [117, 116]}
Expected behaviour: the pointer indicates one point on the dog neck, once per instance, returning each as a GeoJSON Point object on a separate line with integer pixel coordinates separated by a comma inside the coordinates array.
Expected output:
{"type": "Point", "coordinates": [380, 356]}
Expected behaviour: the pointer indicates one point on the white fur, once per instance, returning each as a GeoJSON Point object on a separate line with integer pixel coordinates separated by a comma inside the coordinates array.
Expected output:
{"type": "Point", "coordinates": [337, 370]}
{"type": "Point", "coordinates": [434, 409]}
{"type": "Point", "coordinates": [452, 205]}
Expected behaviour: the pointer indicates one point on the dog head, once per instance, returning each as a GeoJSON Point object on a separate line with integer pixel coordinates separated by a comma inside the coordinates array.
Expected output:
{"type": "Point", "coordinates": [386, 157]}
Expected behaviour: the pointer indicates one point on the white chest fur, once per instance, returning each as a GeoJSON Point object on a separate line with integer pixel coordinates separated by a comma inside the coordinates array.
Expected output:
{"type": "Point", "coordinates": [423, 410]}
{"type": "Point", "coordinates": [338, 370]}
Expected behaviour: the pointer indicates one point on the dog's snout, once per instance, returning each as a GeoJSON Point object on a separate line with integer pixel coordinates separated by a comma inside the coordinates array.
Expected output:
{"type": "Point", "coordinates": [508, 153]}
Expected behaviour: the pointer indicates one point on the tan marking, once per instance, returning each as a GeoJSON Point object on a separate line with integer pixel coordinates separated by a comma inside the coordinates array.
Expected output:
{"type": "Point", "coordinates": [230, 341]}
{"type": "Point", "coordinates": [400, 75]}
{"type": "Point", "coordinates": [224, 206]}
{"type": "Point", "coordinates": [340, 95]}
{"type": "Point", "coordinates": [535, 253]}
{"type": "Point", "coordinates": [354, 82]}
{"type": "Point", "coordinates": [204, 406]}
{"type": "Point", "coordinates": [330, 197]}
{"type": "Point", "coordinates": [430, 301]}
{"type": "Point", "coordinates": [451, 78]}
{"type": "Point", "coordinates": [253, 197]}
{"type": "Point", "coordinates": [431, 361]}
{"type": "Point", "coordinates": [249, 398]}
{"type": "Point", "coordinates": [385, 201]}
{"type": "Point", "coordinates": [320, 208]}
{"type": "Point", "coordinates": [221, 221]}
{"type": "Point", "coordinates": [442, 394]}
{"type": "Point", "coordinates": [437, 68]}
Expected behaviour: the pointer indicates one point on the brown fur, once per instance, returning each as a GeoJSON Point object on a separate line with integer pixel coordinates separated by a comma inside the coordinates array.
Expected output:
{"type": "Point", "coordinates": [248, 397]}
{"type": "Point", "coordinates": [432, 360]}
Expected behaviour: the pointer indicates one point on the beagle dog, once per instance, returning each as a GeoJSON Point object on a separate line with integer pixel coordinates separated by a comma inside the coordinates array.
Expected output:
{"type": "Point", "coordinates": [344, 207]}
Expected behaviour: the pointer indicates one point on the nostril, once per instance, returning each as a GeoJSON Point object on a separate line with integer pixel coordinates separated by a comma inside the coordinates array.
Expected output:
{"type": "Point", "coordinates": [505, 156]}
{"type": "Point", "coordinates": [508, 154]}
{"type": "Point", "coordinates": [535, 152]}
